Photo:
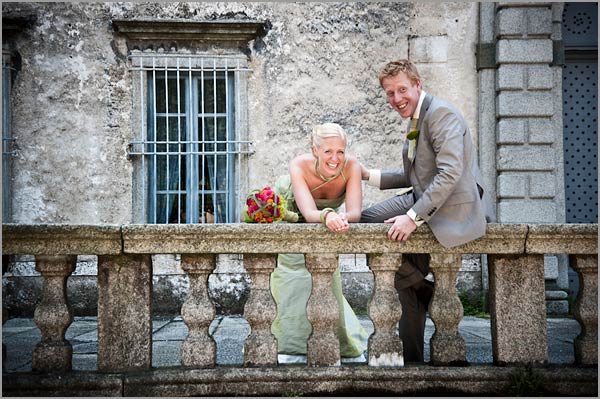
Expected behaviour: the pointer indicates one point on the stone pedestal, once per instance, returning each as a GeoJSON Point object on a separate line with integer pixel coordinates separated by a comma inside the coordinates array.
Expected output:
{"type": "Point", "coordinates": [124, 313]}
{"type": "Point", "coordinates": [260, 310]}
{"type": "Point", "coordinates": [53, 315]}
{"type": "Point", "coordinates": [586, 309]}
{"type": "Point", "coordinates": [556, 276]}
{"type": "Point", "coordinates": [385, 347]}
{"type": "Point", "coordinates": [322, 312]}
{"type": "Point", "coordinates": [446, 311]}
{"type": "Point", "coordinates": [518, 309]}
{"type": "Point", "coordinates": [198, 312]}
{"type": "Point", "coordinates": [5, 260]}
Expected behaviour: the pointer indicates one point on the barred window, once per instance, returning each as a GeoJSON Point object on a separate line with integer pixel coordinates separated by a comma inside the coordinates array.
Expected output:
{"type": "Point", "coordinates": [188, 151]}
{"type": "Point", "coordinates": [8, 74]}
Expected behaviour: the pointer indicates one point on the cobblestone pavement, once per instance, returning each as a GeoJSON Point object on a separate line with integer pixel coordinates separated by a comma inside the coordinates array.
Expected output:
{"type": "Point", "coordinates": [21, 335]}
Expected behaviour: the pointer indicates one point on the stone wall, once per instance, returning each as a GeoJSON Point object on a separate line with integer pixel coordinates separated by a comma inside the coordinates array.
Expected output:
{"type": "Point", "coordinates": [529, 154]}
{"type": "Point", "coordinates": [529, 111]}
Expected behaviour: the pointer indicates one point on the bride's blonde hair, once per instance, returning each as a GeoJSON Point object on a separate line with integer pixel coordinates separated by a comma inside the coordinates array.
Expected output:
{"type": "Point", "coordinates": [326, 130]}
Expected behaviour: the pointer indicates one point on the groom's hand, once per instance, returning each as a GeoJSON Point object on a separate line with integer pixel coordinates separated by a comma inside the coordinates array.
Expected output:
{"type": "Point", "coordinates": [402, 227]}
{"type": "Point", "coordinates": [364, 172]}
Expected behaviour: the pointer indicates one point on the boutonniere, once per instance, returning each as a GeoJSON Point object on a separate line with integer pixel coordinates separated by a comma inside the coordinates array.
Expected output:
{"type": "Point", "coordinates": [413, 132]}
{"type": "Point", "coordinates": [412, 135]}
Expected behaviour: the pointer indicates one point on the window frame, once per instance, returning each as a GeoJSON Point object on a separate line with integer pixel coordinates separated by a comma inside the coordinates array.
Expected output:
{"type": "Point", "coordinates": [9, 71]}
{"type": "Point", "coordinates": [143, 67]}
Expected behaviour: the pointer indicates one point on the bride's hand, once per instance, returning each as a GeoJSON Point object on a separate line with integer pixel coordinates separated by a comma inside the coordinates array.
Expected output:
{"type": "Point", "coordinates": [338, 223]}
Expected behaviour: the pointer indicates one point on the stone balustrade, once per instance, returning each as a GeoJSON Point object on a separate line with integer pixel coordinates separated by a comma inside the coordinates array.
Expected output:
{"type": "Point", "coordinates": [515, 254]}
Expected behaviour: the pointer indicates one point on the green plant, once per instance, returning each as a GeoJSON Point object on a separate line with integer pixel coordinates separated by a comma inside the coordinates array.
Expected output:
{"type": "Point", "coordinates": [291, 393]}
{"type": "Point", "coordinates": [526, 382]}
{"type": "Point", "coordinates": [474, 304]}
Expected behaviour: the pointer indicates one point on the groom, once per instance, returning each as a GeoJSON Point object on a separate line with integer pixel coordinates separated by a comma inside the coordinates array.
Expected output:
{"type": "Point", "coordinates": [440, 165]}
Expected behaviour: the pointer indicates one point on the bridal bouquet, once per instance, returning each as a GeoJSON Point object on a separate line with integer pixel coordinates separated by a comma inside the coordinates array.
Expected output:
{"type": "Point", "coordinates": [266, 206]}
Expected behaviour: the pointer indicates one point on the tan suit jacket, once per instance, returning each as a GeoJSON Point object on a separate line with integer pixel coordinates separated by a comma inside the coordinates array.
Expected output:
{"type": "Point", "coordinates": [447, 183]}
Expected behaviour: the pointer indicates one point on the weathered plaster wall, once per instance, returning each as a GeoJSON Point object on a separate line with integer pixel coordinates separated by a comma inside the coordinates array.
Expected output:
{"type": "Point", "coordinates": [70, 118]}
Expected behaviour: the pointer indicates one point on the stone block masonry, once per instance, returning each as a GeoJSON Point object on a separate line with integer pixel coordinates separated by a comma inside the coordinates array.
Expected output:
{"type": "Point", "coordinates": [529, 154]}
{"type": "Point", "coordinates": [527, 128]}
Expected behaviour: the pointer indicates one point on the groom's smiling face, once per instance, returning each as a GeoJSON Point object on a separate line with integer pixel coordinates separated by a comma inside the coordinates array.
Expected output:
{"type": "Point", "coordinates": [402, 94]}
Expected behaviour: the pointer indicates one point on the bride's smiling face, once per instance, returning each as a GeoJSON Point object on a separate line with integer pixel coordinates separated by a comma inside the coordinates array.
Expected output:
{"type": "Point", "coordinates": [331, 152]}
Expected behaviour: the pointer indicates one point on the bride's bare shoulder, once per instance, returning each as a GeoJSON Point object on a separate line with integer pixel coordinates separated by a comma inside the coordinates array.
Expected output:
{"type": "Point", "coordinates": [302, 161]}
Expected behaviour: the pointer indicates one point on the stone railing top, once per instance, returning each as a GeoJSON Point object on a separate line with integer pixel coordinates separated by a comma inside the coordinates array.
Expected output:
{"type": "Point", "coordinates": [64, 239]}
{"type": "Point", "coordinates": [61, 239]}
{"type": "Point", "coordinates": [306, 238]}
{"type": "Point", "coordinates": [562, 239]}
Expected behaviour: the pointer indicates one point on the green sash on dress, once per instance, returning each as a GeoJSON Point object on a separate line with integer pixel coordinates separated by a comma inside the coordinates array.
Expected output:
{"type": "Point", "coordinates": [291, 284]}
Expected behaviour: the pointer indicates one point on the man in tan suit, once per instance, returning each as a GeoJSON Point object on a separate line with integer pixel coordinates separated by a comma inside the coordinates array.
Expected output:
{"type": "Point", "coordinates": [440, 165]}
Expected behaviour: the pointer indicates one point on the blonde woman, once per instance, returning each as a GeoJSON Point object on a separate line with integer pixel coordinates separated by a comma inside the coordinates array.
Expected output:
{"type": "Point", "coordinates": [318, 183]}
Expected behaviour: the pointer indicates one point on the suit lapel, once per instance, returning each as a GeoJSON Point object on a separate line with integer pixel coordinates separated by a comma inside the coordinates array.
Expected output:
{"type": "Point", "coordinates": [424, 108]}
{"type": "Point", "coordinates": [408, 164]}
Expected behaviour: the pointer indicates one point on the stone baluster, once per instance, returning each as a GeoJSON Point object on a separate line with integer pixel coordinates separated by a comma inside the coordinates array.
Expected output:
{"type": "Point", "coordinates": [446, 311]}
{"type": "Point", "coordinates": [385, 347]}
{"type": "Point", "coordinates": [260, 310]}
{"type": "Point", "coordinates": [198, 312]}
{"type": "Point", "coordinates": [5, 260]}
{"type": "Point", "coordinates": [586, 308]}
{"type": "Point", "coordinates": [53, 314]}
{"type": "Point", "coordinates": [518, 309]}
{"type": "Point", "coordinates": [124, 312]}
{"type": "Point", "coordinates": [322, 312]}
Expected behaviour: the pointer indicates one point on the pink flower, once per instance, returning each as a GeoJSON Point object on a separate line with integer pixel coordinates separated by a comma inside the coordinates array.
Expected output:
{"type": "Point", "coordinates": [264, 206]}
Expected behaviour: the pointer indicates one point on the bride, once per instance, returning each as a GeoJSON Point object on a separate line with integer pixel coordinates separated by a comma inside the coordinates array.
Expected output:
{"type": "Point", "coordinates": [317, 185]}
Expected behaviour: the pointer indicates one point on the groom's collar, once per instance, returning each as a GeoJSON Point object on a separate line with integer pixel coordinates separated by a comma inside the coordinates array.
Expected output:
{"type": "Point", "coordinates": [419, 104]}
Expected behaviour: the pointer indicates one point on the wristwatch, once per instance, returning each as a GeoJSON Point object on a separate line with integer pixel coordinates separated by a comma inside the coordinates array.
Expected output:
{"type": "Point", "coordinates": [416, 218]}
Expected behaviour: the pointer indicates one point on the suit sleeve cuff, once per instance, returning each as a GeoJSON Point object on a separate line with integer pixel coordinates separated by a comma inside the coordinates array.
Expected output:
{"type": "Point", "coordinates": [374, 178]}
{"type": "Point", "coordinates": [416, 218]}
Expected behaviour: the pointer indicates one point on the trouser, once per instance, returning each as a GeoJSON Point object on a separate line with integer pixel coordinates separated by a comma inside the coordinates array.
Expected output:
{"type": "Point", "coordinates": [413, 290]}
{"type": "Point", "coordinates": [415, 302]}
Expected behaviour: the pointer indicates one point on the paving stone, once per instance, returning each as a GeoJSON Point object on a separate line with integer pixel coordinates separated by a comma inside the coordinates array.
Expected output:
{"type": "Point", "coordinates": [166, 353]}
{"type": "Point", "coordinates": [21, 336]}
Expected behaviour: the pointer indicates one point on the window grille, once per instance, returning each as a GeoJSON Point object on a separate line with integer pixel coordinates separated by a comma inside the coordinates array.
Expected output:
{"type": "Point", "coordinates": [189, 147]}
{"type": "Point", "coordinates": [8, 72]}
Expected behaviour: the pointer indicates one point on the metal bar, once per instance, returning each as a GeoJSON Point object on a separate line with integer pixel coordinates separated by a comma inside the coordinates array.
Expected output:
{"type": "Point", "coordinates": [192, 171]}
{"type": "Point", "coordinates": [192, 69]}
{"type": "Point", "coordinates": [7, 138]}
{"type": "Point", "coordinates": [188, 142]}
{"type": "Point", "coordinates": [175, 114]}
{"type": "Point", "coordinates": [197, 56]}
{"type": "Point", "coordinates": [178, 147]}
{"type": "Point", "coordinates": [215, 207]}
{"type": "Point", "coordinates": [201, 104]}
{"type": "Point", "coordinates": [192, 152]}
{"type": "Point", "coordinates": [238, 194]}
{"type": "Point", "coordinates": [167, 137]}
{"type": "Point", "coordinates": [143, 134]}
{"type": "Point", "coordinates": [154, 132]}
{"type": "Point", "coordinates": [227, 144]}
{"type": "Point", "coordinates": [200, 191]}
